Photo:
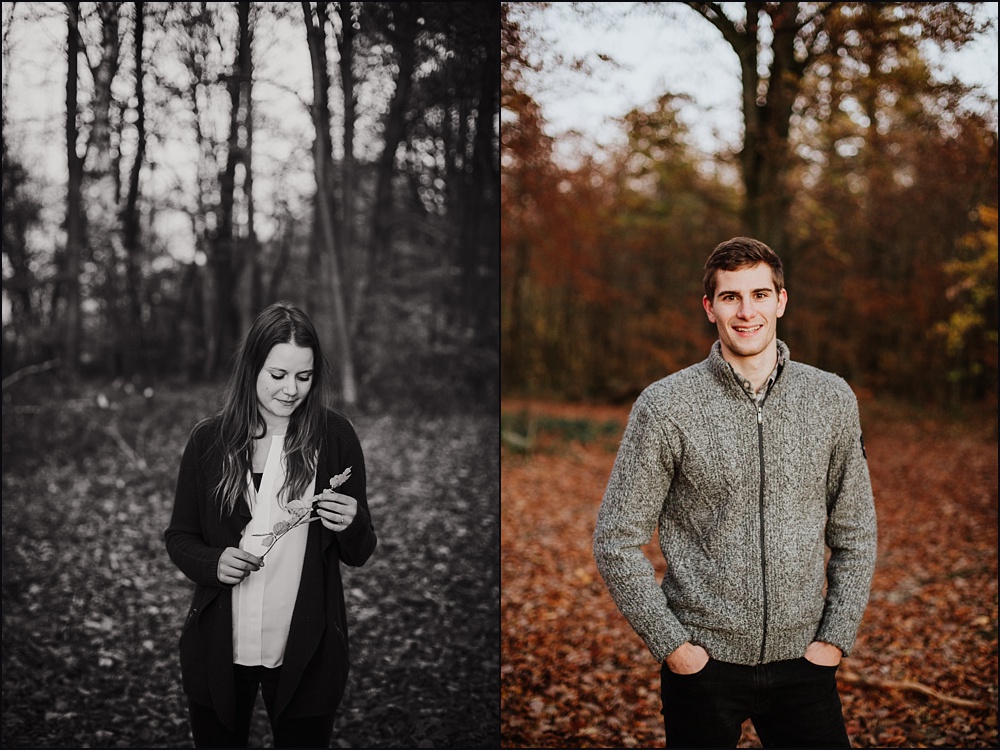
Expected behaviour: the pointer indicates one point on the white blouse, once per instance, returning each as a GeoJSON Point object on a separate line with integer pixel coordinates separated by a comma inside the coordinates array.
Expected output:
{"type": "Point", "coordinates": [264, 600]}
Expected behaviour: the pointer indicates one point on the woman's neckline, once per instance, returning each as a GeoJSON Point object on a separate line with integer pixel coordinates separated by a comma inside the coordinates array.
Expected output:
{"type": "Point", "coordinates": [272, 436]}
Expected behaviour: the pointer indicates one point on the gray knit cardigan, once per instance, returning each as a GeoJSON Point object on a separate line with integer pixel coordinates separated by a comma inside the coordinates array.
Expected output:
{"type": "Point", "coordinates": [746, 500]}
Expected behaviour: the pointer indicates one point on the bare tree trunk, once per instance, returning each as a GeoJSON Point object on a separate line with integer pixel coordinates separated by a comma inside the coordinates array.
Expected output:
{"type": "Point", "coordinates": [17, 219]}
{"type": "Point", "coordinates": [280, 264]}
{"type": "Point", "coordinates": [323, 168]}
{"type": "Point", "coordinates": [74, 198]}
{"type": "Point", "coordinates": [223, 260]}
{"type": "Point", "coordinates": [103, 228]}
{"type": "Point", "coordinates": [766, 115]}
{"type": "Point", "coordinates": [482, 247]}
{"type": "Point", "coordinates": [130, 212]}
{"type": "Point", "coordinates": [514, 366]}
{"type": "Point", "coordinates": [203, 289]}
{"type": "Point", "coordinates": [251, 271]}
{"type": "Point", "coordinates": [233, 260]}
{"type": "Point", "coordinates": [403, 37]}
{"type": "Point", "coordinates": [455, 119]}
{"type": "Point", "coordinates": [209, 309]}
{"type": "Point", "coordinates": [354, 266]}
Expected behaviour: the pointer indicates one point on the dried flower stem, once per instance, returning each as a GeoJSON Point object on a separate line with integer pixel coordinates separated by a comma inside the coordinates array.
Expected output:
{"type": "Point", "coordinates": [301, 520]}
{"type": "Point", "coordinates": [303, 508]}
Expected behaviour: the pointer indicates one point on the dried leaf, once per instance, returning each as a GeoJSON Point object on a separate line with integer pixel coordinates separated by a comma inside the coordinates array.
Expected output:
{"type": "Point", "coordinates": [340, 478]}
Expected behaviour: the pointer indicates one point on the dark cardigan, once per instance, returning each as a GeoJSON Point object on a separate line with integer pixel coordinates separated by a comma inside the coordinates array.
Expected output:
{"type": "Point", "coordinates": [315, 667]}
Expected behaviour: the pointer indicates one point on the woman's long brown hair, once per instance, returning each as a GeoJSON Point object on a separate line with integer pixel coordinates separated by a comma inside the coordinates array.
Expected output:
{"type": "Point", "coordinates": [241, 422]}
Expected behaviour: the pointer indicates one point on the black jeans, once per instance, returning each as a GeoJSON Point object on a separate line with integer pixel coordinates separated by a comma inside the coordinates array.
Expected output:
{"type": "Point", "coordinates": [208, 731]}
{"type": "Point", "coordinates": [792, 703]}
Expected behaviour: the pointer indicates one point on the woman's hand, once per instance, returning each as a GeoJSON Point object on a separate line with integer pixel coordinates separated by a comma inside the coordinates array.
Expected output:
{"type": "Point", "coordinates": [235, 565]}
{"type": "Point", "coordinates": [336, 511]}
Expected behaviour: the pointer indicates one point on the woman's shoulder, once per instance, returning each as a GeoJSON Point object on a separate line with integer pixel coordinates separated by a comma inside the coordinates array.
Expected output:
{"type": "Point", "coordinates": [337, 421]}
{"type": "Point", "coordinates": [339, 428]}
{"type": "Point", "coordinates": [202, 443]}
{"type": "Point", "coordinates": [205, 430]}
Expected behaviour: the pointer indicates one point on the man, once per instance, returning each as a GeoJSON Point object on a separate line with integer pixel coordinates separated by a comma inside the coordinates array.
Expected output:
{"type": "Point", "coordinates": [750, 464]}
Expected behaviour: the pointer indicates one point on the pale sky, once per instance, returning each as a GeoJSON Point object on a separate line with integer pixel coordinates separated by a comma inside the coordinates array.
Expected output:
{"type": "Point", "coordinates": [672, 49]}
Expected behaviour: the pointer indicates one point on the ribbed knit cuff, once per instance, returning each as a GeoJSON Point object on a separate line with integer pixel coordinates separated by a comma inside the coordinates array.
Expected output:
{"type": "Point", "coordinates": [840, 634]}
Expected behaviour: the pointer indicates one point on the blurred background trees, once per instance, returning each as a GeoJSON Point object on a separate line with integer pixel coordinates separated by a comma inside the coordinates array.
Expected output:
{"type": "Point", "coordinates": [217, 157]}
{"type": "Point", "coordinates": [875, 181]}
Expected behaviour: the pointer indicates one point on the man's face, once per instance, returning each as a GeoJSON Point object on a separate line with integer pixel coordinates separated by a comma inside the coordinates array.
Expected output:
{"type": "Point", "coordinates": [745, 309]}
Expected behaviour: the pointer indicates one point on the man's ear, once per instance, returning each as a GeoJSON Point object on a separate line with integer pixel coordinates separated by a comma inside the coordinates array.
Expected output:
{"type": "Point", "coordinates": [707, 304]}
{"type": "Point", "coordinates": [782, 301]}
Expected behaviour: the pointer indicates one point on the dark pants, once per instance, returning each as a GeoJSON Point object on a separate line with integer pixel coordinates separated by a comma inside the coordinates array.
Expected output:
{"type": "Point", "coordinates": [792, 703]}
{"type": "Point", "coordinates": [208, 731]}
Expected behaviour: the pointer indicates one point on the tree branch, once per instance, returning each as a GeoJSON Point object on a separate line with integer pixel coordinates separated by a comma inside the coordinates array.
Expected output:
{"type": "Point", "coordinates": [26, 371]}
{"type": "Point", "coordinates": [134, 458]}
{"type": "Point", "coordinates": [822, 10]}
{"type": "Point", "coordinates": [712, 12]}
{"type": "Point", "coordinates": [918, 687]}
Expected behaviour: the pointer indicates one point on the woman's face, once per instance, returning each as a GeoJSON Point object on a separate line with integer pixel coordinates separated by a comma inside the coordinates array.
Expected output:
{"type": "Point", "coordinates": [284, 382]}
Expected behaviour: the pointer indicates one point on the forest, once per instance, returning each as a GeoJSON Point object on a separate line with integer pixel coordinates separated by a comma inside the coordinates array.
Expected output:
{"type": "Point", "coordinates": [874, 180]}
{"type": "Point", "coordinates": [217, 157]}
{"type": "Point", "coordinates": [169, 170]}
{"type": "Point", "coordinates": [874, 177]}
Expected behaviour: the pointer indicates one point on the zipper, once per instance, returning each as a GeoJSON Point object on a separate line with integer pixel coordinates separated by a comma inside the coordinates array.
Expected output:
{"type": "Point", "coordinates": [763, 553]}
{"type": "Point", "coordinates": [760, 457]}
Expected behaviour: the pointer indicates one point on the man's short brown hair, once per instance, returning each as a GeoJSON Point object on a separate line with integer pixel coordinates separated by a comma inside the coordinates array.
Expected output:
{"type": "Point", "coordinates": [737, 253]}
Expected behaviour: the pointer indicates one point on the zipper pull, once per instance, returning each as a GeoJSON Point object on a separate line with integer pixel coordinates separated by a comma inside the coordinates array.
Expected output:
{"type": "Point", "coordinates": [760, 415]}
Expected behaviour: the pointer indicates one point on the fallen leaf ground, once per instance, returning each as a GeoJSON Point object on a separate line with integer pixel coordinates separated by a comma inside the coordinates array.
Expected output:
{"type": "Point", "coordinates": [574, 674]}
{"type": "Point", "coordinates": [92, 605]}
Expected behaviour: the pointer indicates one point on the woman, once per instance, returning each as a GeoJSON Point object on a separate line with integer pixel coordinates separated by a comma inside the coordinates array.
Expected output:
{"type": "Point", "coordinates": [268, 607]}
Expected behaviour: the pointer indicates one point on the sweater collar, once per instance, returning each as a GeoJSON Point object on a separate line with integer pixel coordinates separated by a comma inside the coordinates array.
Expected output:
{"type": "Point", "coordinates": [724, 372]}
